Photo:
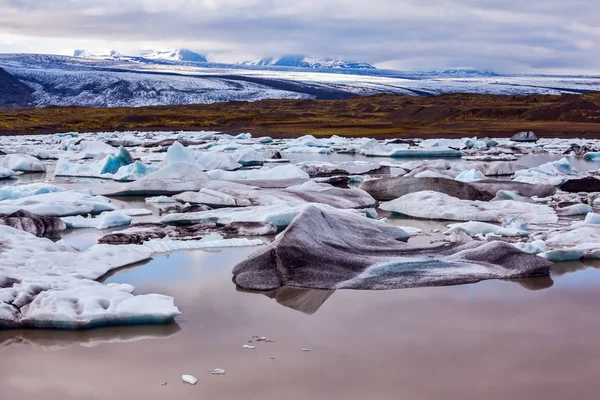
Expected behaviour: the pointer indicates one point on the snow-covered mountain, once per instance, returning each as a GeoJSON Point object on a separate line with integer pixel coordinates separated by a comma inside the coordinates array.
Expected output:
{"type": "Point", "coordinates": [174, 55]}
{"type": "Point", "coordinates": [459, 72]}
{"type": "Point", "coordinates": [183, 55]}
{"type": "Point", "coordinates": [81, 53]}
{"type": "Point", "coordinates": [113, 80]}
{"type": "Point", "coordinates": [299, 61]}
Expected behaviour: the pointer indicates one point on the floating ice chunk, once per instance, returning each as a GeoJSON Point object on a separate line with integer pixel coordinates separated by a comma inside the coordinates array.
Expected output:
{"type": "Point", "coordinates": [535, 247]}
{"type": "Point", "coordinates": [280, 215]}
{"type": "Point", "coordinates": [133, 172]}
{"type": "Point", "coordinates": [264, 139]}
{"type": "Point", "coordinates": [308, 141]}
{"type": "Point", "coordinates": [170, 179]}
{"type": "Point", "coordinates": [192, 380]}
{"type": "Point", "coordinates": [511, 195]}
{"type": "Point", "coordinates": [107, 220]}
{"type": "Point", "coordinates": [564, 255]}
{"type": "Point", "coordinates": [92, 148]}
{"type": "Point", "coordinates": [6, 173]}
{"type": "Point", "coordinates": [450, 143]}
{"type": "Point", "coordinates": [213, 241]}
{"type": "Point", "coordinates": [160, 200]}
{"type": "Point", "coordinates": [248, 347]}
{"type": "Point", "coordinates": [470, 176]}
{"type": "Point", "coordinates": [575, 209]}
{"type": "Point", "coordinates": [250, 158]}
{"type": "Point", "coordinates": [428, 173]}
{"type": "Point", "coordinates": [434, 205]}
{"type": "Point", "coordinates": [104, 168]}
{"type": "Point", "coordinates": [387, 151]}
{"type": "Point", "coordinates": [279, 172]}
{"type": "Point", "coordinates": [553, 173]}
{"type": "Point", "coordinates": [574, 236]}
{"type": "Point", "coordinates": [205, 160]}
{"type": "Point", "coordinates": [216, 371]}
{"type": "Point", "coordinates": [592, 218]}
{"type": "Point", "coordinates": [51, 285]}
{"type": "Point", "coordinates": [515, 223]}
{"type": "Point", "coordinates": [135, 212]}
{"type": "Point", "coordinates": [592, 156]}
{"type": "Point", "coordinates": [22, 163]}
{"type": "Point", "coordinates": [244, 136]}
{"type": "Point", "coordinates": [307, 150]}
{"type": "Point", "coordinates": [474, 228]}
{"type": "Point", "coordinates": [337, 250]}
{"type": "Point", "coordinates": [20, 191]}
{"type": "Point", "coordinates": [58, 204]}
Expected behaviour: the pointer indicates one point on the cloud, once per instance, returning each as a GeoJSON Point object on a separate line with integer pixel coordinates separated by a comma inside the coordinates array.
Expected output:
{"type": "Point", "coordinates": [506, 36]}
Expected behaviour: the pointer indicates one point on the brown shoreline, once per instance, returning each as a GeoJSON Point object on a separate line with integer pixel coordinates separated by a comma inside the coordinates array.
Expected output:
{"type": "Point", "coordinates": [382, 116]}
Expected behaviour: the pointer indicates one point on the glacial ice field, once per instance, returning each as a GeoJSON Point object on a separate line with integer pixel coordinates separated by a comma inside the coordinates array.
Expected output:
{"type": "Point", "coordinates": [64, 81]}
{"type": "Point", "coordinates": [308, 213]}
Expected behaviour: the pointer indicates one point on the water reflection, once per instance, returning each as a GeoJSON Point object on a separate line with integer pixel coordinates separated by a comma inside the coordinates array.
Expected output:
{"type": "Point", "coordinates": [574, 266]}
{"type": "Point", "coordinates": [53, 340]}
{"type": "Point", "coordinates": [307, 301]}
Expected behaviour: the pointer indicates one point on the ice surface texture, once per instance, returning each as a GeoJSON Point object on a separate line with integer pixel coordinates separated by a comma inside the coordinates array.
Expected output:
{"type": "Point", "coordinates": [337, 250]}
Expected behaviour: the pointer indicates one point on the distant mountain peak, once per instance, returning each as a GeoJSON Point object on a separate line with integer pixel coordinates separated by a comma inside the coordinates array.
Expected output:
{"type": "Point", "coordinates": [174, 55]}
{"type": "Point", "coordinates": [300, 61]}
{"type": "Point", "coordinates": [88, 54]}
{"type": "Point", "coordinates": [465, 72]}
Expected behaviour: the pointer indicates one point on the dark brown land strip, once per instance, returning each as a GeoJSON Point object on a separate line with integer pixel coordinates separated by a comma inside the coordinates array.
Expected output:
{"type": "Point", "coordinates": [382, 116]}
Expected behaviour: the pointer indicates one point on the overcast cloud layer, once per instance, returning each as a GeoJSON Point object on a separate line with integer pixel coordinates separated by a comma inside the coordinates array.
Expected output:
{"type": "Point", "coordinates": [550, 36]}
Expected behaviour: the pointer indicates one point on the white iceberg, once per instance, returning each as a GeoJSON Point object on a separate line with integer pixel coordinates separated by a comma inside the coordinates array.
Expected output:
{"type": "Point", "coordinates": [483, 229]}
{"type": "Point", "coordinates": [552, 173]}
{"type": "Point", "coordinates": [470, 175]}
{"type": "Point", "coordinates": [213, 241]}
{"type": "Point", "coordinates": [280, 215]}
{"type": "Point", "coordinates": [279, 172]}
{"type": "Point", "coordinates": [22, 163]}
{"type": "Point", "coordinates": [6, 173]}
{"type": "Point", "coordinates": [106, 220]}
{"type": "Point", "coordinates": [435, 205]}
{"type": "Point", "coordinates": [206, 160]}
{"type": "Point", "coordinates": [20, 191]}
{"type": "Point", "coordinates": [58, 204]}
{"type": "Point", "coordinates": [51, 285]}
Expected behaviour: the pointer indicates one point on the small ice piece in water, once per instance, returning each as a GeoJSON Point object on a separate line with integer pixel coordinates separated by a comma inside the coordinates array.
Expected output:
{"type": "Point", "coordinates": [106, 220]}
{"type": "Point", "coordinates": [248, 347]}
{"type": "Point", "coordinates": [6, 173]}
{"type": "Point", "coordinates": [470, 176]}
{"type": "Point", "coordinates": [535, 247]}
{"type": "Point", "coordinates": [217, 371]}
{"type": "Point", "coordinates": [592, 218]}
{"type": "Point", "coordinates": [192, 380]}
{"type": "Point", "coordinates": [575, 209]}
{"type": "Point", "coordinates": [306, 350]}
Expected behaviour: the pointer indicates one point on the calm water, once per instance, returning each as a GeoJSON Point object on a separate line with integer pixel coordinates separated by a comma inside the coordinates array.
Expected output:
{"type": "Point", "coordinates": [533, 339]}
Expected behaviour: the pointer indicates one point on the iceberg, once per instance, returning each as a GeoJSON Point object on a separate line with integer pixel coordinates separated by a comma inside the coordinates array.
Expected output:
{"type": "Point", "coordinates": [431, 152]}
{"type": "Point", "coordinates": [435, 205]}
{"type": "Point", "coordinates": [249, 158]}
{"type": "Point", "coordinates": [552, 173]}
{"type": "Point", "coordinates": [213, 241]}
{"type": "Point", "coordinates": [106, 220]}
{"type": "Point", "coordinates": [20, 191]}
{"type": "Point", "coordinates": [58, 204]}
{"type": "Point", "coordinates": [592, 218]}
{"type": "Point", "coordinates": [327, 249]}
{"type": "Point", "coordinates": [133, 172]}
{"type": "Point", "coordinates": [6, 173]}
{"type": "Point", "coordinates": [51, 285]}
{"type": "Point", "coordinates": [22, 163]}
{"type": "Point", "coordinates": [205, 160]}
{"type": "Point", "coordinates": [535, 247]}
{"type": "Point", "coordinates": [170, 179]}
{"type": "Point", "coordinates": [280, 215]}
{"type": "Point", "coordinates": [470, 176]}
{"type": "Point", "coordinates": [575, 209]}
{"type": "Point", "coordinates": [104, 168]}
{"type": "Point", "coordinates": [35, 224]}
{"type": "Point", "coordinates": [279, 172]}
{"type": "Point", "coordinates": [483, 229]}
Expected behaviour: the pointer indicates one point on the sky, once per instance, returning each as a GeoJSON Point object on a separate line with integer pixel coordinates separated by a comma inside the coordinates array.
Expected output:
{"type": "Point", "coordinates": [518, 36]}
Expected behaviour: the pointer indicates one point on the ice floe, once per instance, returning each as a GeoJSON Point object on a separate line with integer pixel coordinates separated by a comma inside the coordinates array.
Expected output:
{"type": "Point", "coordinates": [54, 286]}
{"type": "Point", "coordinates": [22, 163]}
{"type": "Point", "coordinates": [326, 249]}
{"type": "Point", "coordinates": [106, 220]}
{"type": "Point", "coordinates": [435, 205]}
